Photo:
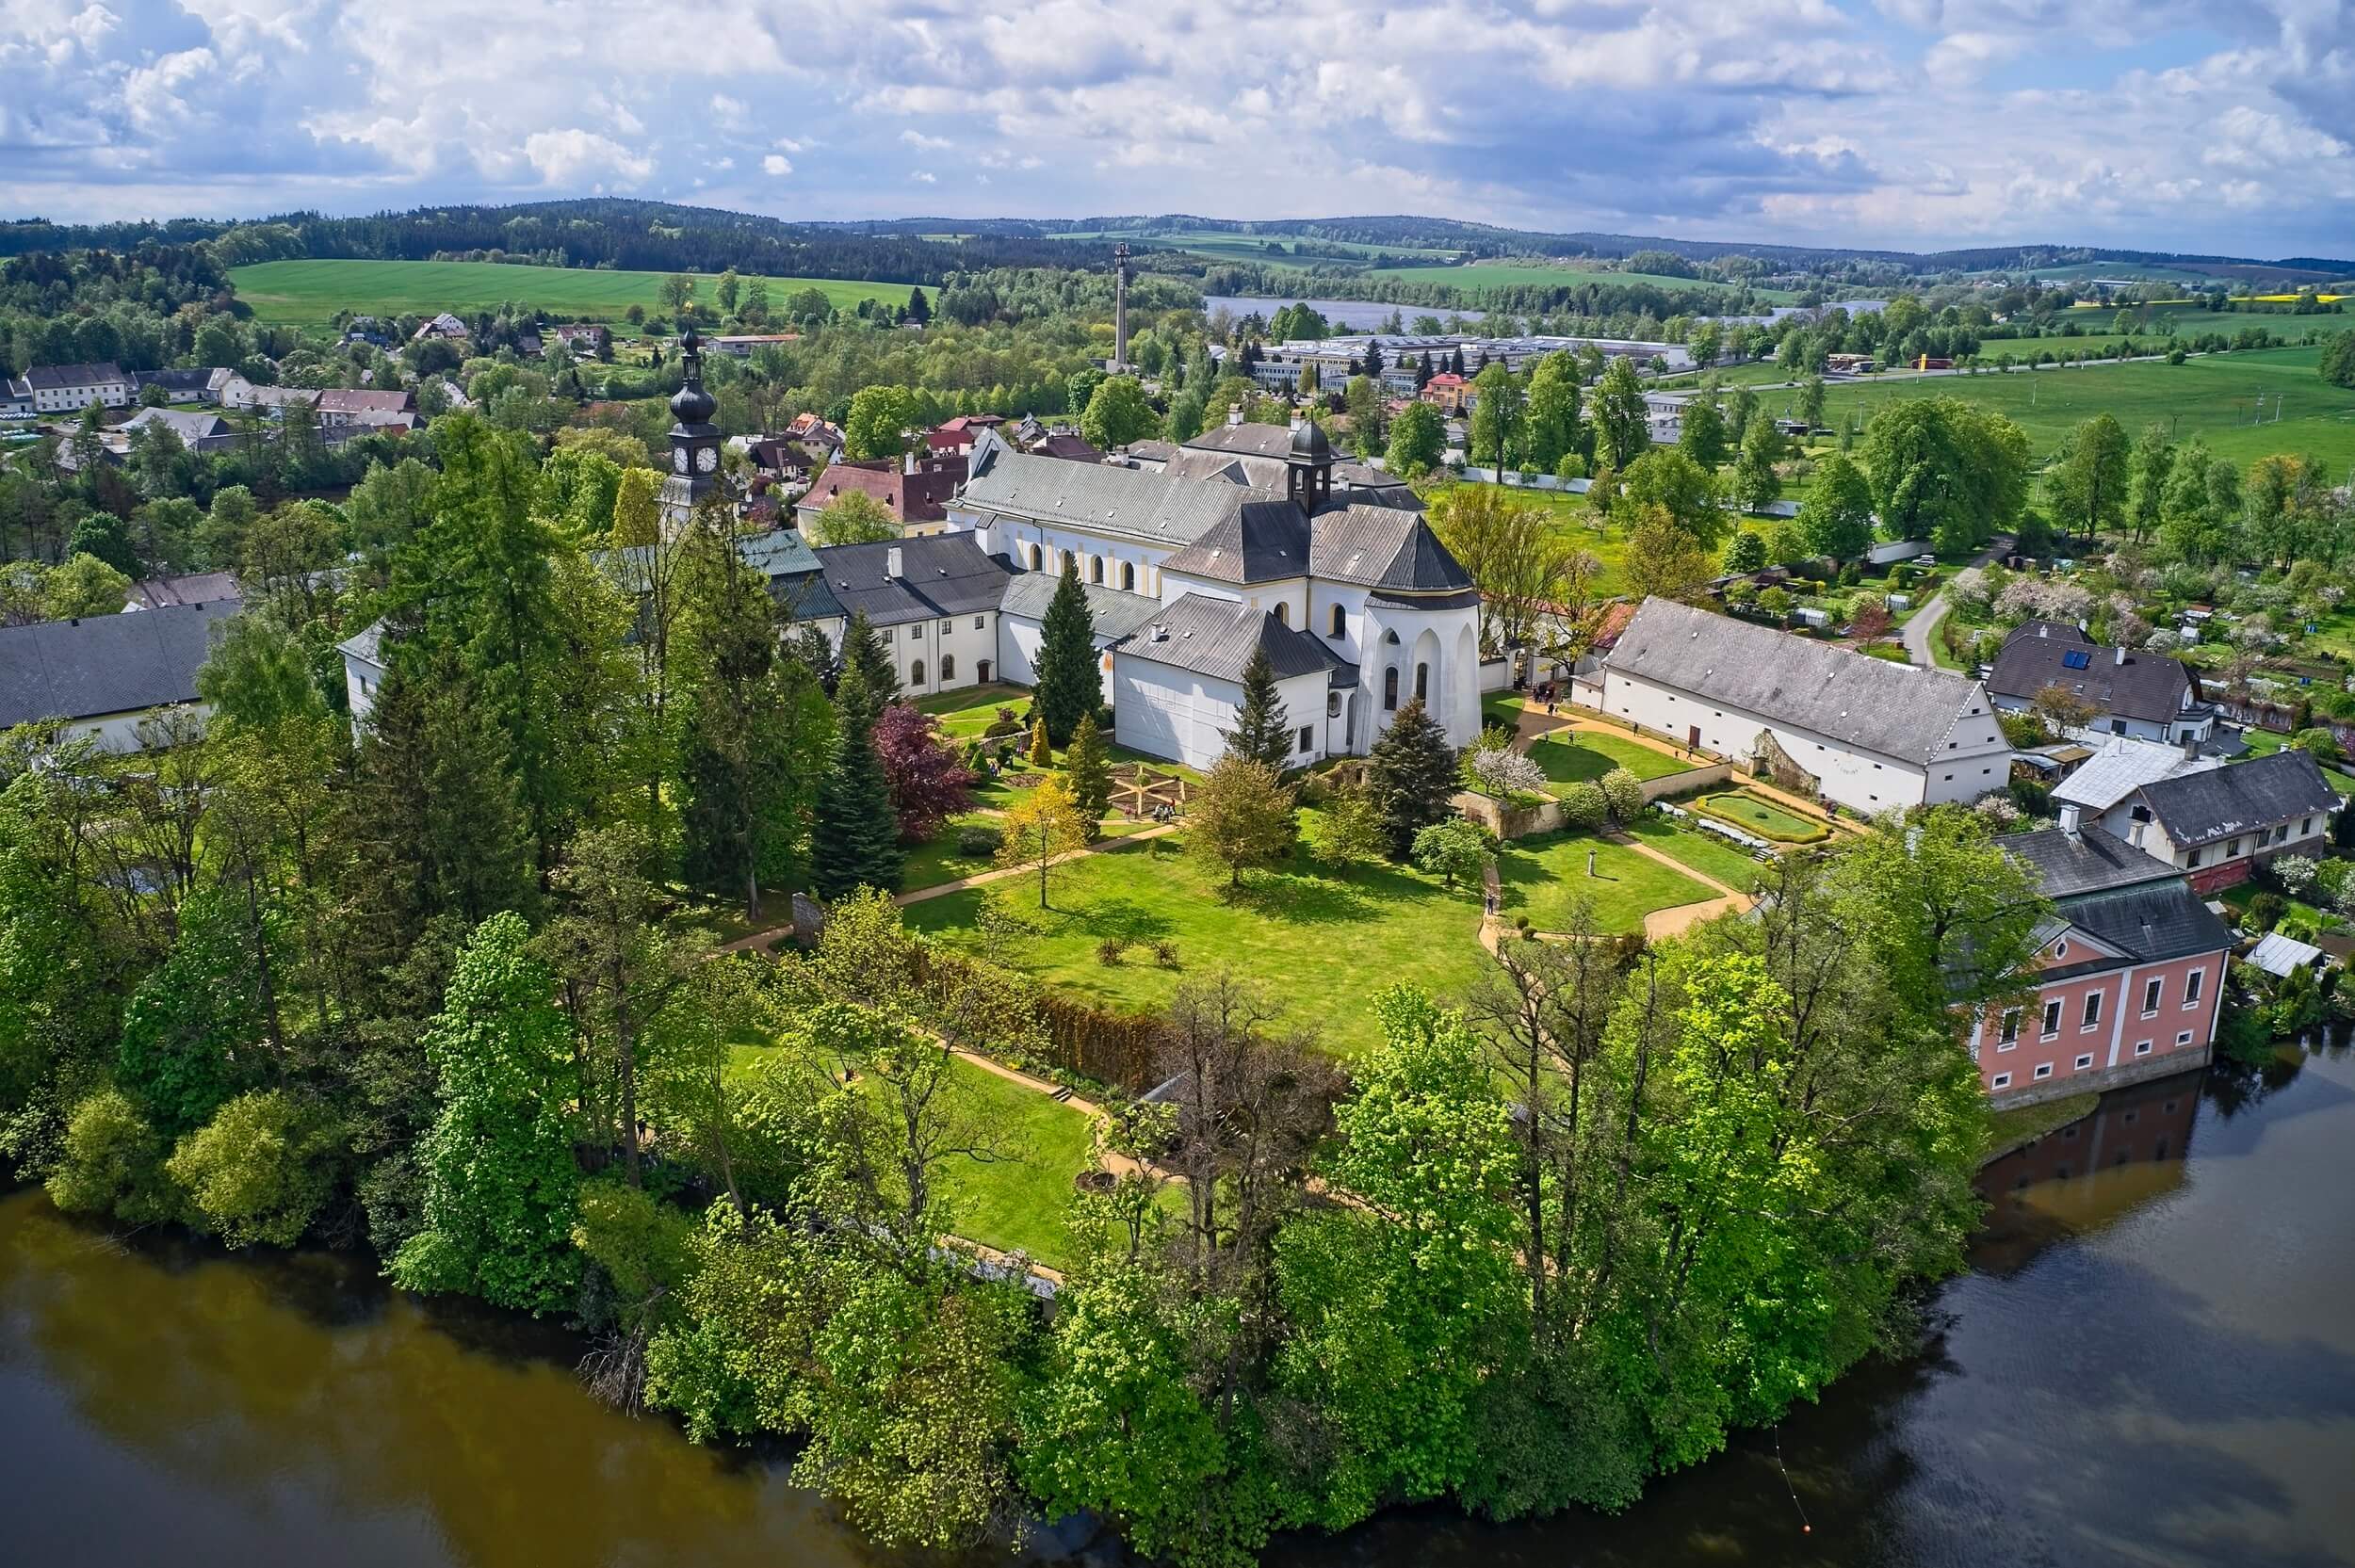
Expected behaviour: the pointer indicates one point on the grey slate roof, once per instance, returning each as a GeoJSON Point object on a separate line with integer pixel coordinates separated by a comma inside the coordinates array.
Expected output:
{"type": "Point", "coordinates": [1260, 441]}
{"type": "Point", "coordinates": [1895, 710]}
{"type": "Point", "coordinates": [1378, 547]}
{"type": "Point", "coordinates": [1357, 481]}
{"type": "Point", "coordinates": [199, 378]}
{"type": "Point", "coordinates": [1214, 637]}
{"type": "Point", "coordinates": [2152, 922]}
{"type": "Point", "coordinates": [1115, 613]}
{"type": "Point", "coordinates": [1156, 508]}
{"type": "Point", "coordinates": [194, 587]}
{"type": "Point", "coordinates": [2094, 861]}
{"type": "Point", "coordinates": [104, 664]}
{"type": "Point", "coordinates": [190, 425]}
{"type": "Point", "coordinates": [59, 378]}
{"type": "Point", "coordinates": [2201, 808]}
{"type": "Point", "coordinates": [2147, 685]}
{"type": "Point", "coordinates": [940, 574]}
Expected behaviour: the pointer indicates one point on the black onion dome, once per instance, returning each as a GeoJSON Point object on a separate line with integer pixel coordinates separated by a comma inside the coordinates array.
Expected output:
{"type": "Point", "coordinates": [1309, 442]}
{"type": "Point", "coordinates": [691, 404]}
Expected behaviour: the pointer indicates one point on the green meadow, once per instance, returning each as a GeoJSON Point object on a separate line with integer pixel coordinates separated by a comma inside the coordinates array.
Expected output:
{"type": "Point", "coordinates": [309, 293]}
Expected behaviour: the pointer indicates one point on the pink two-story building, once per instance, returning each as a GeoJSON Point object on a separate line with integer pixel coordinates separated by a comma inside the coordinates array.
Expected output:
{"type": "Point", "coordinates": [2131, 967]}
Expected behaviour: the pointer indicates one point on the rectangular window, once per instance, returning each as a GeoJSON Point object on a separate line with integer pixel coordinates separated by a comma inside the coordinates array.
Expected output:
{"type": "Point", "coordinates": [2191, 987]}
{"type": "Point", "coordinates": [2001, 1080]}
{"type": "Point", "coordinates": [2151, 992]}
{"type": "Point", "coordinates": [1306, 737]}
{"type": "Point", "coordinates": [2052, 1018]}
{"type": "Point", "coordinates": [2084, 1061]}
{"type": "Point", "coordinates": [947, 626]}
{"type": "Point", "coordinates": [2184, 1038]}
{"type": "Point", "coordinates": [887, 637]}
{"type": "Point", "coordinates": [2196, 856]}
{"type": "Point", "coordinates": [2010, 1032]}
{"type": "Point", "coordinates": [2232, 849]}
{"type": "Point", "coordinates": [2093, 1011]}
{"type": "Point", "coordinates": [2044, 1069]}
{"type": "Point", "coordinates": [2142, 1047]}
{"type": "Point", "coordinates": [2305, 827]}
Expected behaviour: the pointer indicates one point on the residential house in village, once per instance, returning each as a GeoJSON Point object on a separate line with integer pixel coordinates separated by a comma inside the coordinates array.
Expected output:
{"type": "Point", "coordinates": [356, 405]}
{"type": "Point", "coordinates": [198, 430]}
{"type": "Point", "coordinates": [2130, 966]}
{"type": "Point", "coordinates": [932, 600]}
{"type": "Point", "coordinates": [1447, 391]}
{"type": "Point", "coordinates": [108, 676]}
{"type": "Point", "coordinates": [914, 489]}
{"type": "Point", "coordinates": [958, 434]}
{"type": "Point", "coordinates": [198, 385]}
{"type": "Point", "coordinates": [50, 389]}
{"type": "Point", "coordinates": [2216, 824]}
{"type": "Point", "coordinates": [2132, 692]}
{"type": "Point", "coordinates": [1824, 721]}
{"type": "Point", "coordinates": [443, 326]}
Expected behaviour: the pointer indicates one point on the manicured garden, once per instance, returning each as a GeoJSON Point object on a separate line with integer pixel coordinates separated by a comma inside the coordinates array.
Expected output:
{"type": "Point", "coordinates": [1705, 852]}
{"type": "Point", "coordinates": [1756, 813]}
{"type": "Point", "coordinates": [1545, 877]}
{"type": "Point", "coordinates": [1324, 945]}
{"type": "Point", "coordinates": [1017, 1202]}
{"type": "Point", "coordinates": [1576, 757]}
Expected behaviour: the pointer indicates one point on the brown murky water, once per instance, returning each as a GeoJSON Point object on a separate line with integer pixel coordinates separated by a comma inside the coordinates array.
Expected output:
{"type": "Point", "coordinates": [2152, 1362]}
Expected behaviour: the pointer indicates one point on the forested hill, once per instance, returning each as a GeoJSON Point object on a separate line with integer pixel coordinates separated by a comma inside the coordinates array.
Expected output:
{"type": "Point", "coordinates": [604, 230]}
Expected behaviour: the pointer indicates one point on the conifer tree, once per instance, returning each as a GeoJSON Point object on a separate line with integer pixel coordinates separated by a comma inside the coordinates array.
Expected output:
{"type": "Point", "coordinates": [1262, 729]}
{"type": "Point", "coordinates": [1412, 776]}
{"type": "Point", "coordinates": [863, 649]}
{"type": "Point", "coordinates": [855, 841]}
{"type": "Point", "coordinates": [1088, 770]}
{"type": "Point", "coordinates": [1068, 687]}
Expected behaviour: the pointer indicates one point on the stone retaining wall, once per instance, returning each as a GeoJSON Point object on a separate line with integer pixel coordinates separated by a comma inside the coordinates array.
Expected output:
{"type": "Point", "coordinates": [2103, 1078]}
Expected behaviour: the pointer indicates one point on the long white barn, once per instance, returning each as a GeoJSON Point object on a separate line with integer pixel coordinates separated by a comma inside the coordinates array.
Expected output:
{"type": "Point", "coordinates": [1867, 734]}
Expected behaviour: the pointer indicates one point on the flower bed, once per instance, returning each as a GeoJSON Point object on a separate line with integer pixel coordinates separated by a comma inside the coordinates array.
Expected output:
{"type": "Point", "coordinates": [1755, 814]}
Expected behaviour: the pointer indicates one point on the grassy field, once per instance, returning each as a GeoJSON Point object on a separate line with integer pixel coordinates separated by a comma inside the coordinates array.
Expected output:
{"type": "Point", "coordinates": [309, 293]}
{"type": "Point", "coordinates": [1220, 245]}
{"type": "Point", "coordinates": [1322, 945]}
{"type": "Point", "coordinates": [2213, 396]}
{"type": "Point", "coordinates": [1545, 877]}
{"type": "Point", "coordinates": [1017, 1202]}
{"type": "Point", "coordinates": [1573, 756]}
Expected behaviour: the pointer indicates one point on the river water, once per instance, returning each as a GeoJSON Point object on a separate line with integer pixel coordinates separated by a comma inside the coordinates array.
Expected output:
{"type": "Point", "coordinates": [2151, 1362]}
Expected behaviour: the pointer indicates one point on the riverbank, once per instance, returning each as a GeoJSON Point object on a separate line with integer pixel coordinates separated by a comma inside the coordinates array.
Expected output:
{"type": "Point", "coordinates": [2147, 1360]}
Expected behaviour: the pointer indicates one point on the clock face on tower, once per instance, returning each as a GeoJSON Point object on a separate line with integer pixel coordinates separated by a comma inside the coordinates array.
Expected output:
{"type": "Point", "coordinates": [679, 458]}
{"type": "Point", "coordinates": [707, 458]}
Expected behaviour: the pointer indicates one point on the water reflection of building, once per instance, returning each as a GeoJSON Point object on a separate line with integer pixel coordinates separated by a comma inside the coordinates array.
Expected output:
{"type": "Point", "coordinates": [2082, 1177]}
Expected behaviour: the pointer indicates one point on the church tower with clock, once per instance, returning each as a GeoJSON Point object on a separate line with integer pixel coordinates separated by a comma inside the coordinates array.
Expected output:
{"type": "Point", "coordinates": [694, 441]}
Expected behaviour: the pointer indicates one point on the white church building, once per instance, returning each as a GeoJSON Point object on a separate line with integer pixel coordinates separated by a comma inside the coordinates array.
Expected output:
{"type": "Point", "coordinates": [1357, 605]}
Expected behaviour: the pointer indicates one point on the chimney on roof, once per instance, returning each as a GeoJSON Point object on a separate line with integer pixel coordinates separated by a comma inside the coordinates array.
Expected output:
{"type": "Point", "coordinates": [2119, 655]}
{"type": "Point", "coordinates": [891, 563]}
{"type": "Point", "coordinates": [2133, 834]}
{"type": "Point", "coordinates": [911, 463]}
{"type": "Point", "coordinates": [2042, 630]}
{"type": "Point", "coordinates": [1234, 414]}
{"type": "Point", "coordinates": [2068, 819]}
{"type": "Point", "coordinates": [2191, 746]}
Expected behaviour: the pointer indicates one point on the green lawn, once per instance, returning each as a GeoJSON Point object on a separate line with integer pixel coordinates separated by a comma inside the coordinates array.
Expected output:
{"type": "Point", "coordinates": [930, 865]}
{"type": "Point", "coordinates": [1017, 1202]}
{"type": "Point", "coordinates": [2213, 396]}
{"type": "Point", "coordinates": [1510, 275]}
{"type": "Point", "coordinates": [1705, 852]}
{"type": "Point", "coordinates": [1544, 878]}
{"type": "Point", "coordinates": [309, 293]}
{"type": "Point", "coordinates": [1322, 946]}
{"type": "Point", "coordinates": [1758, 815]}
{"type": "Point", "coordinates": [1572, 756]}
{"type": "Point", "coordinates": [2264, 743]}
{"type": "Point", "coordinates": [964, 715]}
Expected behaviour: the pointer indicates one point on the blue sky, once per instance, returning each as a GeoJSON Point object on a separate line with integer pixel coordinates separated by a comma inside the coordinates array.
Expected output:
{"type": "Point", "coordinates": [2226, 126]}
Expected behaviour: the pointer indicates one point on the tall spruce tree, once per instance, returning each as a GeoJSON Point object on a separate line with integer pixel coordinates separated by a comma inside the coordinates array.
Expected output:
{"type": "Point", "coordinates": [863, 651]}
{"type": "Point", "coordinates": [855, 841]}
{"type": "Point", "coordinates": [1089, 771]}
{"type": "Point", "coordinates": [1262, 729]}
{"type": "Point", "coordinates": [1068, 687]}
{"type": "Point", "coordinates": [1412, 775]}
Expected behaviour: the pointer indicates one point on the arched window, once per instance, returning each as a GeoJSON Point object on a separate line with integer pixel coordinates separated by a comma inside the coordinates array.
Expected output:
{"type": "Point", "coordinates": [947, 667]}
{"type": "Point", "coordinates": [1340, 621]}
{"type": "Point", "coordinates": [1390, 636]}
{"type": "Point", "coordinates": [1127, 576]}
{"type": "Point", "coordinates": [1030, 556]}
{"type": "Point", "coordinates": [1389, 689]}
{"type": "Point", "coordinates": [1096, 569]}
{"type": "Point", "coordinates": [916, 673]}
{"type": "Point", "coordinates": [1283, 613]}
{"type": "Point", "coordinates": [1423, 682]}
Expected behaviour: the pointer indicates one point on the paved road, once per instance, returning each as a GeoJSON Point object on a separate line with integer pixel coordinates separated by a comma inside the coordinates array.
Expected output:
{"type": "Point", "coordinates": [1917, 632]}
